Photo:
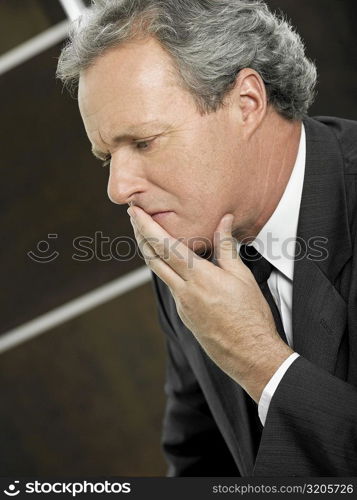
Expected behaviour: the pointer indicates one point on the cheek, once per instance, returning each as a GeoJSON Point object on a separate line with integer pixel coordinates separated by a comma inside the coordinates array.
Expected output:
{"type": "Point", "coordinates": [201, 182]}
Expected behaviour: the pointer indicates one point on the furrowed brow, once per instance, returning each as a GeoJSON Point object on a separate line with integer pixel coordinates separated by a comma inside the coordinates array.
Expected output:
{"type": "Point", "coordinates": [141, 130]}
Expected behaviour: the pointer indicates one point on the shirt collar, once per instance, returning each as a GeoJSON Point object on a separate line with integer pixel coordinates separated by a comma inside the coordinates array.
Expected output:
{"type": "Point", "coordinates": [276, 240]}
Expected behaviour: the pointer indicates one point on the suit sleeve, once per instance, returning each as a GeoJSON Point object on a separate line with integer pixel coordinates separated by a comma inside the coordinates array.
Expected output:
{"type": "Point", "coordinates": [311, 426]}
{"type": "Point", "coordinates": [191, 440]}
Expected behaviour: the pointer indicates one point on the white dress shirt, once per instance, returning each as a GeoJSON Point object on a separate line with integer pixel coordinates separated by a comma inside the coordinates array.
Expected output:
{"type": "Point", "coordinates": [276, 242]}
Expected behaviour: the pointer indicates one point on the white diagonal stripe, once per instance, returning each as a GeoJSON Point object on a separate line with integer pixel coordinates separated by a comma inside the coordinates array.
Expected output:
{"type": "Point", "coordinates": [73, 8]}
{"type": "Point", "coordinates": [74, 308]}
{"type": "Point", "coordinates": [34, 46]}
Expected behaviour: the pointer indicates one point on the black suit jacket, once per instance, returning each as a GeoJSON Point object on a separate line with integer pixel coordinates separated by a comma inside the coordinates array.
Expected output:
{"type": "Point", "coordinates": [211, 426]}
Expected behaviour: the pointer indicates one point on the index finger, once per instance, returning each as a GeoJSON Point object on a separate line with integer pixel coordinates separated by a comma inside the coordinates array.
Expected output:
{"type": "Point", "coordinates": [171, 250]}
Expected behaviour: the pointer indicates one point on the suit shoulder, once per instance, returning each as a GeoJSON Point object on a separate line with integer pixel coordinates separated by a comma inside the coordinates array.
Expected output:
{"type": "Point", "coordinates": [345, 132]}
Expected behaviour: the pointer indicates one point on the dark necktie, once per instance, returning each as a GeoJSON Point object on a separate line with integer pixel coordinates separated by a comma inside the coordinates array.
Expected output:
{"type": "Point", "coordinates": [261, 270]}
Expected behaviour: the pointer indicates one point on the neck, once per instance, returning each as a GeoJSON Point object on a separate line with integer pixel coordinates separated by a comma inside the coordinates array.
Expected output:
{"type": "Point", "coordinates": [277, 141]}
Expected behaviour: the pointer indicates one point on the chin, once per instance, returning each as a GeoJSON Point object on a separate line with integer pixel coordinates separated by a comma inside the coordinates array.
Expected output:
{"type": "Point", "coordinates": [200, 245]}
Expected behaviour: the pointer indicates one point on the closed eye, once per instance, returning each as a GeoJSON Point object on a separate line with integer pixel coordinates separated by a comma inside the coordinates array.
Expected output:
{"type": "Point", "coordinates": [143, 144]}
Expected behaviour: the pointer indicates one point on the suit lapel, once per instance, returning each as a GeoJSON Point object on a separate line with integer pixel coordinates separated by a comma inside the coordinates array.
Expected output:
{"type": "Point", "coordinates": [323, 248]}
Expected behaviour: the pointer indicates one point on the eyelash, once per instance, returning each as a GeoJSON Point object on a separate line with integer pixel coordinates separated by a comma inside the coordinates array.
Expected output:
{"type": "Point", "coordinates": [107, 161]}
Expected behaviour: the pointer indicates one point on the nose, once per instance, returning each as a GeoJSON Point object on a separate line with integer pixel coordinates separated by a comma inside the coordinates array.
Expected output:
{"type": "Point", "coordinates": [126, 179]}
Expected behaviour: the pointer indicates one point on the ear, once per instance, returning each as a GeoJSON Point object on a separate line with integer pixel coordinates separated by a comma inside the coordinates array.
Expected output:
{"type": "Point", "coordinates": [250, 96]}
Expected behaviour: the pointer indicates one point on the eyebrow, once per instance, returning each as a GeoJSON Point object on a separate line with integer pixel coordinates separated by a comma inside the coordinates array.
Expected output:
{"type": "Point", "coordinates": [131, 133]}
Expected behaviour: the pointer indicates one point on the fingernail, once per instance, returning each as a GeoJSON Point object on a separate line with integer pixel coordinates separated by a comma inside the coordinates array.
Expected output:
{"type": "Point", "coordinates": [228, 220]}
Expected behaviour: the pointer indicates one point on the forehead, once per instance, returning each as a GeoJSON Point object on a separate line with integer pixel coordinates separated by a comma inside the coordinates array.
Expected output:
{"type": "Point", "coordinates": [137, 77]}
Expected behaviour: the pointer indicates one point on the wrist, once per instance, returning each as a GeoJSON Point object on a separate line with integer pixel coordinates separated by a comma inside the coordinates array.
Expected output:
{"type": "Point", "coordinates": [260, 365]}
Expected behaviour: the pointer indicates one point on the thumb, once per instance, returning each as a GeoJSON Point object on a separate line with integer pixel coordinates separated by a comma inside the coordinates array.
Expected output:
{"type": "Point", "coordinates": [225, 246]}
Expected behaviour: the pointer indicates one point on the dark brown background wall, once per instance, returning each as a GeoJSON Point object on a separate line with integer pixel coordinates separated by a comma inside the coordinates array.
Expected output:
{"type": "Point", "coordinates": [87, 396]}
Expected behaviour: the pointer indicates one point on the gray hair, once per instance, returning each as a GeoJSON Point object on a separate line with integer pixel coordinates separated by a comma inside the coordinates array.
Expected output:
{"type": "Point", "coordinates": [209, 42]}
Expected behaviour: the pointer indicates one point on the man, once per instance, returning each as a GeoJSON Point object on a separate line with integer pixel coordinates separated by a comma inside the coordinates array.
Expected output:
{"type": "Point", "coordinates": [200, 109]}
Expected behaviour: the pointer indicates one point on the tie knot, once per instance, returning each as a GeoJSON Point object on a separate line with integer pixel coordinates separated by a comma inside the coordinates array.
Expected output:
{"type": "Point", "coordinates": [259, 266]}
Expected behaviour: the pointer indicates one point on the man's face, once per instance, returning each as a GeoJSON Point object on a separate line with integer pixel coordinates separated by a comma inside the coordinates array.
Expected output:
{"type": "Point", "coordinates": [165, 155]}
